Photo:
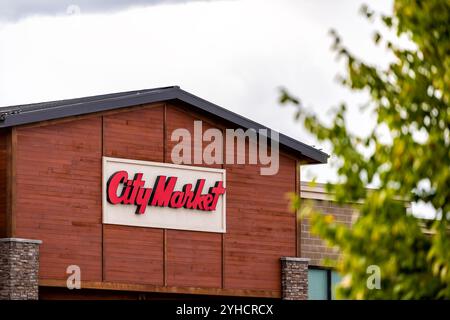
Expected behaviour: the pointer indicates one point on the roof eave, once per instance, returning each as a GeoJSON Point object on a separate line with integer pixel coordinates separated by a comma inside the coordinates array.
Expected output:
{"type": "Point", "coordinates": [171, 93]}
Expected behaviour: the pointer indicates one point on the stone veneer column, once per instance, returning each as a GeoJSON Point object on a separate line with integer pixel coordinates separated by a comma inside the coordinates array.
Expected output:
{"type": "Point", "coordinates": [294, 278]}
{"type": "Point", "coordinates": [19, 269]}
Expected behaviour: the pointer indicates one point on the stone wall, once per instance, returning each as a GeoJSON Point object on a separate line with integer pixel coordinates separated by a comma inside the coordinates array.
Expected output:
{"type": "Point", "coordinates": [19, 269]}
{"type": "Point", "coordinates": [294, 278]}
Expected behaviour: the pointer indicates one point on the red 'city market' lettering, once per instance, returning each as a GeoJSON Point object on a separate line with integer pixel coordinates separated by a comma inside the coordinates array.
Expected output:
{"type": "Point", "coordinates": [121, 190]}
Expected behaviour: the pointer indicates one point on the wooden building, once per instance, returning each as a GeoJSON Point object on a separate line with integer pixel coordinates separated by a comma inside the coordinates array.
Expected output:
{"type": "Point", "coordinates": [52, 204]}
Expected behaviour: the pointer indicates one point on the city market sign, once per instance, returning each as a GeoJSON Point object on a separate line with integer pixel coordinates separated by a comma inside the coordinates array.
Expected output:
{"type": "Point", "coordinates": [161, 195]}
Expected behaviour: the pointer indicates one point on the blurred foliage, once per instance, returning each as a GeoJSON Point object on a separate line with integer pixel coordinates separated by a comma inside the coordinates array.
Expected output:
{"type": "Point", "coordinates": [410, 102]}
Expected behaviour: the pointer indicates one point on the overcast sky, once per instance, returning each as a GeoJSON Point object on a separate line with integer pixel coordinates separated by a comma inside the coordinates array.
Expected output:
{"type": "Point", "coordinates": [234, 53]}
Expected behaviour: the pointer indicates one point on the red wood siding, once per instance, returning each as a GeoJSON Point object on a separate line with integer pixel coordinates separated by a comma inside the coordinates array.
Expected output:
{"type": "Point", "coordinates": [58, 185]}
{"type": "Point", "coordinates": [136, 134]}
{"type": "Point", "coordinates": [260, 229]}
{"type": "Point", "coordinates": [59, 201]}
{"type": "Point", "coordinates": [177, 119]}
{"type": "Point", "coordinates": [133, 255]}
{"type": "Point", "coordinates": [194, 259]}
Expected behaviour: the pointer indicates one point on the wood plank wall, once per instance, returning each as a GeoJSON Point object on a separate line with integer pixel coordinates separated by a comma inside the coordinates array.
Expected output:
{"type": "Point", "coordinates": [58, 187]}
{"type": "Point", "coordinates": [4, 136]}
{"type": "Point", "coordinates": [58, 183]}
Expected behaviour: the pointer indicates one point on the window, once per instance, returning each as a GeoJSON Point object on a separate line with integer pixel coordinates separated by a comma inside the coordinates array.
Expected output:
{"type": "Point", "coordinates": [322, 283]}
{"type": "Point", "coordinates": [335, 279]}
{"type": "Point", "coordinates": [317, 284]}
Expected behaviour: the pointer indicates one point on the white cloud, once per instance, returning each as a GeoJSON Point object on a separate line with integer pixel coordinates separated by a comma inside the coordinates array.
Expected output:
{"type": "Point", "coordinates": [19, 9]}
{"type": "Point", "coordinates": [233, 53]}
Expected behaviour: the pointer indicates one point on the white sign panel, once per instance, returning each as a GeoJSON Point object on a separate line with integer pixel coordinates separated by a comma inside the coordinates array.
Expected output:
{"type": "Point", "coordinates": [161, 195]}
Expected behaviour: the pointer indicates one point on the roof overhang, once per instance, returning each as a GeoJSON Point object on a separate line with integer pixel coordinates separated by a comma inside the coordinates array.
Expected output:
{"type": "Point", "coordinates": [32, 113]}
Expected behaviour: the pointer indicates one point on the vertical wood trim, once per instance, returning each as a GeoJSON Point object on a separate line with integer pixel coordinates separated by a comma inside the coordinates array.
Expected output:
{"type": "Point", "coordinates": [223, 234]}
{"type": "Point", "coordinates": [11, 183]}
{"type": "Point", "coordinates": [165, 257]}
{"type": "Point", "coordinates": [298, 222]}
{"type": "Point", "coordinates": [164, 132]}
{"type": "Point", "coordinates": [101, 202]}
{"type": "Point", "coordinates": [223, 261]}
{"type": "Point", "coordinates": [164, 160]}
{"type": "Point", "coordinates": [8, 212]}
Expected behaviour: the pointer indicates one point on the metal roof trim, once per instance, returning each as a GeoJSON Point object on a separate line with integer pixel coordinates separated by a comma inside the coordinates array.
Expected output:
{"type": "Point", "coordinates": [19, 115]}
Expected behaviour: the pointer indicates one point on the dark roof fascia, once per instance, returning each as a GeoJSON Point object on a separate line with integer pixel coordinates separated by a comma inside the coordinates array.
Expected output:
{"type": "Point", "coordinates": [14, 116]}
{"type": "Point", "coordinates": [316, 155]}
{"type": "Point", "coordinates": [80, 108]}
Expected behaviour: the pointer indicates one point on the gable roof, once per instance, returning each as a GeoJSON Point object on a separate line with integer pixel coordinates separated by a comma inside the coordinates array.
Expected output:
{"type": "Point", "coordinates": [22, 114]}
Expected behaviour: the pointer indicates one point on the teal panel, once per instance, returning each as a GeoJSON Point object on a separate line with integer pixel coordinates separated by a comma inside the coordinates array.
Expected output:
{"type": "Point", "coordinates": [317, 284]}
